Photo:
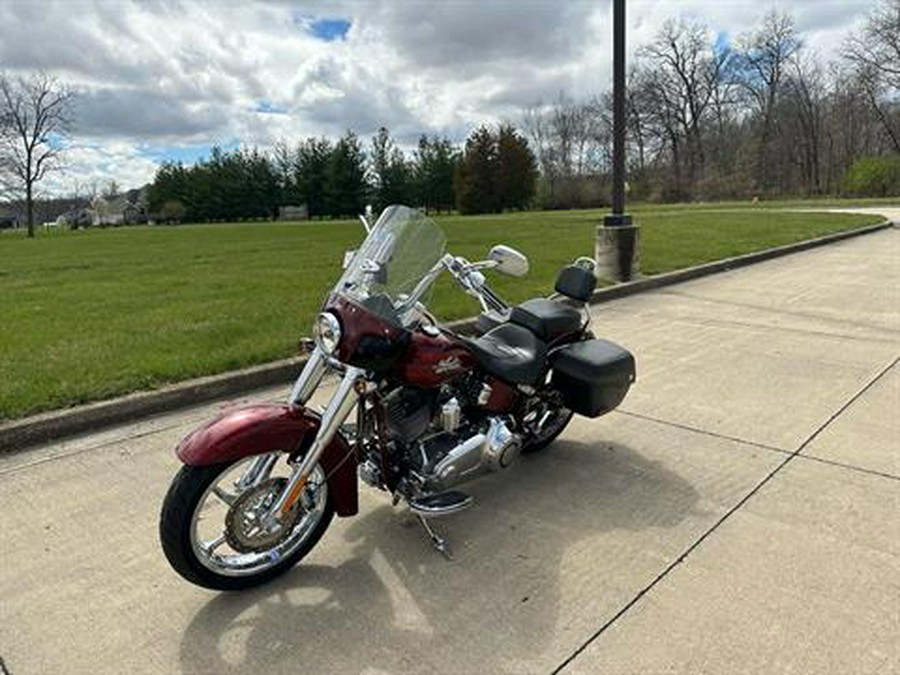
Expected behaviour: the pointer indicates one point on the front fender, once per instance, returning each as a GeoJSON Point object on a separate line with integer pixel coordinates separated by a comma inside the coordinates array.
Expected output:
{"type": "Point", "coordinates": [258, 429]}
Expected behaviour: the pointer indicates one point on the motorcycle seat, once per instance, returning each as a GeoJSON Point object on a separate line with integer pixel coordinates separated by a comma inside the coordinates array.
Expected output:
{"type": "Point", "coordinates": [511, 353]}
{"type": "Point", "coordinates": [547, 319]}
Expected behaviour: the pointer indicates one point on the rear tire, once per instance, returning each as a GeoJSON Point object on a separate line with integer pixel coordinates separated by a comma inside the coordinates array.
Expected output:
{"type": "Point", "coordinates": [542, 440]}
{"type": "Point", "coordinates": [549, 434]}
{"type": "Point", "coordinates": [178, 533]}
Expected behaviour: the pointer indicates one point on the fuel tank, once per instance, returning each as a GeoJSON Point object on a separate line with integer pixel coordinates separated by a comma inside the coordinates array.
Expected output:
{"type": "Point", "coordinates": [433, 358]}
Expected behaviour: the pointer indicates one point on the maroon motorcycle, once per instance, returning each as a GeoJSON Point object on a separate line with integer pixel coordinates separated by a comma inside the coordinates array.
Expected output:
{"type": "Point", "coordinates": [433, 409]}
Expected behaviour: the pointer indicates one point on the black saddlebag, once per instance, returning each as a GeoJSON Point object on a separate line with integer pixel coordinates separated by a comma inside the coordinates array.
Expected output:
{"type": "Point", "coordinates": [593, 376]}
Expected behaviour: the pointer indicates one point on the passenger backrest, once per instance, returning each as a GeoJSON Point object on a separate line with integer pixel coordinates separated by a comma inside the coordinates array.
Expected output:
{"type": "Point", "coordinates": [576, 282]}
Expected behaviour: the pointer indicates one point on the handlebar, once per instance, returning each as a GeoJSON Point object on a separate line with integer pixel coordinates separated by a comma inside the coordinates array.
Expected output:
{"type": "Point", "coordinates": [466, 275]}
{"type": "Point", "coordinates": [474, 283]}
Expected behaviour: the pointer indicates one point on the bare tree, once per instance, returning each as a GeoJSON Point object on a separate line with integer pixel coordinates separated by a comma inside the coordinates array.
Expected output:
{"type": "Point", "coordinates": [679, 82]}
{"type": "Point", "coordinates": [35, 116]}
{"type": "Point", "coordinates": [850, 127]}
{"type": "Point", "coordinates": [875, 55]}
{"type": "Point", "coordinates": [637, 115]}
{"type": "Point", "coordinates": [111, 190]}
{"type": "Point", "coordinates": [84, 190]}
{"type": "Point", "coordinates": [879, 44]}
{"type": "Point", "coordinates": [711, 121]}
{"type": "Point", "coordinates": [765, 54]}
{"type": "Point", "coordinates": [680, 62]}
{"type": "Point", "coordinates": [534, 121]}
{"type": "Point", "coordinates": [568, 138]}
{"type": "Point", "coordinates": [802, 125]}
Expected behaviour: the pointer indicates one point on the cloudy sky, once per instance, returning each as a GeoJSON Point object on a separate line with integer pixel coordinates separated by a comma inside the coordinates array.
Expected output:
{"type": "Point", "coordinates": [167, 80]}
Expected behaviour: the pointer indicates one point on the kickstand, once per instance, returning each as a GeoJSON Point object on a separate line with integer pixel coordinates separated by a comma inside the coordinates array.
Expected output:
{"type": "Point", "coordinates": [441, 544]}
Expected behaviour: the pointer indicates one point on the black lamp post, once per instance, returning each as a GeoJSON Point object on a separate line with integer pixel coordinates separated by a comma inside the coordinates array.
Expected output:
{"type": "Point", "coordinates": [617, 238]}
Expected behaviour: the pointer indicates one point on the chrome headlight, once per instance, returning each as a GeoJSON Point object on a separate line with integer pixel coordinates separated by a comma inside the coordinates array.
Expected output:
{"type": "Point", "coordinates": [327, 332]}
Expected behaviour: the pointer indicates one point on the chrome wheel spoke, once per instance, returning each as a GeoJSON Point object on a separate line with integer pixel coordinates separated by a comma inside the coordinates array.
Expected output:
{"type": "Point", "coordinates": [226, 497]}
{"type": "Point", "coordinates": [259, 470]}
{"type": "Point", "coordinates": [210, 546]}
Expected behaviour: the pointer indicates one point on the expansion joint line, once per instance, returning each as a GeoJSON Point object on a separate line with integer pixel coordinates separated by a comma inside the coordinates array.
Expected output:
{"type": "Point", "coordinates": [849, 467]}
{"type": "Point", "coordinates": [681, 558]}
{"type": "Point", "coordinates": [705, 432]}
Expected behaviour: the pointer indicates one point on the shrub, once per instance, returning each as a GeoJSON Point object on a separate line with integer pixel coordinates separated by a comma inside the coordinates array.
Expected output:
{"type": "Point", "coordinates": [874, 177]}
{"type": "Point", "coordinates": [172, 210]}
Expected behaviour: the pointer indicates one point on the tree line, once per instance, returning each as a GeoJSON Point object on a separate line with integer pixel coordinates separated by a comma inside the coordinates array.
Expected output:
{"type": "Point", "coordinates": [494, 171]}
{"type": "Point", "coordinates": [712, 119]}
{"type": "Point", "coordinates": [708, 118]}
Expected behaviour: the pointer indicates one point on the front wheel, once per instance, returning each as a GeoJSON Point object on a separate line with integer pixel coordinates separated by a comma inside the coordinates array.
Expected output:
{"type": "Point", "coordinates": [210, 525]}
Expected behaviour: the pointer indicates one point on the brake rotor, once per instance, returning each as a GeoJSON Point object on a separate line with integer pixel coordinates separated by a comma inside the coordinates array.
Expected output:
{"type": "Point", "coordinates": [244, 530]}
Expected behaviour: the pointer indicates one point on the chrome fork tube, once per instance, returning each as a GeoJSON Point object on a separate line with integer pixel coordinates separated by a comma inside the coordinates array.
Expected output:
{"type": "Point", "coordinates": [309, 379]}
{"type": "Point", "coordinates": [259, 470]}
{"type": "Point", "coordinates": [338, 408]}
{"type": "Point", "coordinates": [305, 386]}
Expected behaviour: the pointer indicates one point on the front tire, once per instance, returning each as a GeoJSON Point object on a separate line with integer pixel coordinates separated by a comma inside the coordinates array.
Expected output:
{"type": "Point", "coordinates": [202, 527]}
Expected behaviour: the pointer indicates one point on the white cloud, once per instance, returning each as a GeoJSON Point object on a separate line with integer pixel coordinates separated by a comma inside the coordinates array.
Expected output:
{"type": "Point", "coordinates": [165, 74]}
{"type": "Point", "coordinates": [99, 162]}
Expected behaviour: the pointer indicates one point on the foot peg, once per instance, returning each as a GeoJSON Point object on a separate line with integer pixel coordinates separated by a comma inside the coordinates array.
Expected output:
{"type": "Point", "coordinates": [440, 504]}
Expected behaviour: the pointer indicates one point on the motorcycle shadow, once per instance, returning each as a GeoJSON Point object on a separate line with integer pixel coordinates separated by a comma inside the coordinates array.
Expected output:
{"type": "Point", "coordinates": [378, 598]}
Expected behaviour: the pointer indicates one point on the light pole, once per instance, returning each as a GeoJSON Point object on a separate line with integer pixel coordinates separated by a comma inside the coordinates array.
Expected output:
{"type": "Point", "coordinates": [617, 238]}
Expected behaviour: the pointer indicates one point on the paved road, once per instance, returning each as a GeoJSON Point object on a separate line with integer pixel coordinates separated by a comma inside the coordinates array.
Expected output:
{"type": "Point", "coordinates": [739, 514]}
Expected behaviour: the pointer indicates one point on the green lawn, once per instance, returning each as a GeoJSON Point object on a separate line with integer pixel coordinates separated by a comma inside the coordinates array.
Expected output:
{"type": "Point", "coordinates": [92, 314]}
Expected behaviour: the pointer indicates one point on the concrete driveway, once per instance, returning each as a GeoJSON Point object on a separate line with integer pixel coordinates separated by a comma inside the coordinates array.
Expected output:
{"type": "Point", "coordinates": [739, 514]}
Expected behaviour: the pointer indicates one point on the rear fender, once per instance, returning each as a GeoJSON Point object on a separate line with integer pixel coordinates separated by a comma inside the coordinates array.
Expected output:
{"type": "Point", "coordinates": [258, 429]}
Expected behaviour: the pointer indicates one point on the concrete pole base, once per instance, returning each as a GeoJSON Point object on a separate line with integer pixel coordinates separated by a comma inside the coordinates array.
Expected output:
{"type": "Point", "coordinates": [616, 252]}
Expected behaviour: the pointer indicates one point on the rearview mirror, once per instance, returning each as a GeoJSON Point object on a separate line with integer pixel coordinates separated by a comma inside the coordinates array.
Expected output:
{"type": "Point", "coordinates": [509, 261]}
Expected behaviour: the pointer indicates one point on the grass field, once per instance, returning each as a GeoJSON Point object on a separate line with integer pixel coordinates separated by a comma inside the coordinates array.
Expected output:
{"type": "Point", "coordinates": [91, 314]}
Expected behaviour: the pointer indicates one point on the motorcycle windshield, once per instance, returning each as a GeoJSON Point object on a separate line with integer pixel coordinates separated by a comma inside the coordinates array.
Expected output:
{"type": "Point", "coordinates": [403, 246]}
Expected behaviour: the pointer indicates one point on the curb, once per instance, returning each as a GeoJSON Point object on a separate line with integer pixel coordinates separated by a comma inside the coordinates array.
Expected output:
{"type": "Point", "coordinates": [58, 424]}
{"type": "Point", "coordinates": [726, 264]}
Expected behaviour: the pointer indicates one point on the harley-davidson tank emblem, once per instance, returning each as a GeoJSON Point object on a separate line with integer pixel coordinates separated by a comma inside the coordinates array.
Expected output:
{"type": "Point", "coordinates": [448, 365]}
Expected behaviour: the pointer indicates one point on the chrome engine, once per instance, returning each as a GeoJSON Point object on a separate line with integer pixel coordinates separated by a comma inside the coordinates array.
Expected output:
{"type": "Point", "coordinates": [493, 449]}
{"type": "Point", "coordinates": [440, 443]}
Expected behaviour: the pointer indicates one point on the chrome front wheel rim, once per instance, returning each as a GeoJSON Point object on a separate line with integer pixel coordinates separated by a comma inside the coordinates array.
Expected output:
{"type": "Point", "coordinates": [211, 542]}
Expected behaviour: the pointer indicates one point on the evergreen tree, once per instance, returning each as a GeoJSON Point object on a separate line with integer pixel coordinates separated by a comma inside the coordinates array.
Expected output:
{"type": "Point", "coordinates": [345, 185]}
{"type": "Point", "coordinates": [475, 179]}
{"type": "Point", "coordinates": [283, 160]}
{"type": "Point", "coordinates": [516, 172]}
{"type": "Point", "coordinates": [497, 171]}
{"type": "Point", "coordinates": [168, 188]}
{"type": "Point", "coordinates": [311, 169]}
{"type": "Point", "coordinates": [391, 173]}
{"type": "Point", "coordinates": [263, 193]}
{"type": "Point", "coordinates": [379, 165]}
{"type": "Point", "coordinates": [433, 171]}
